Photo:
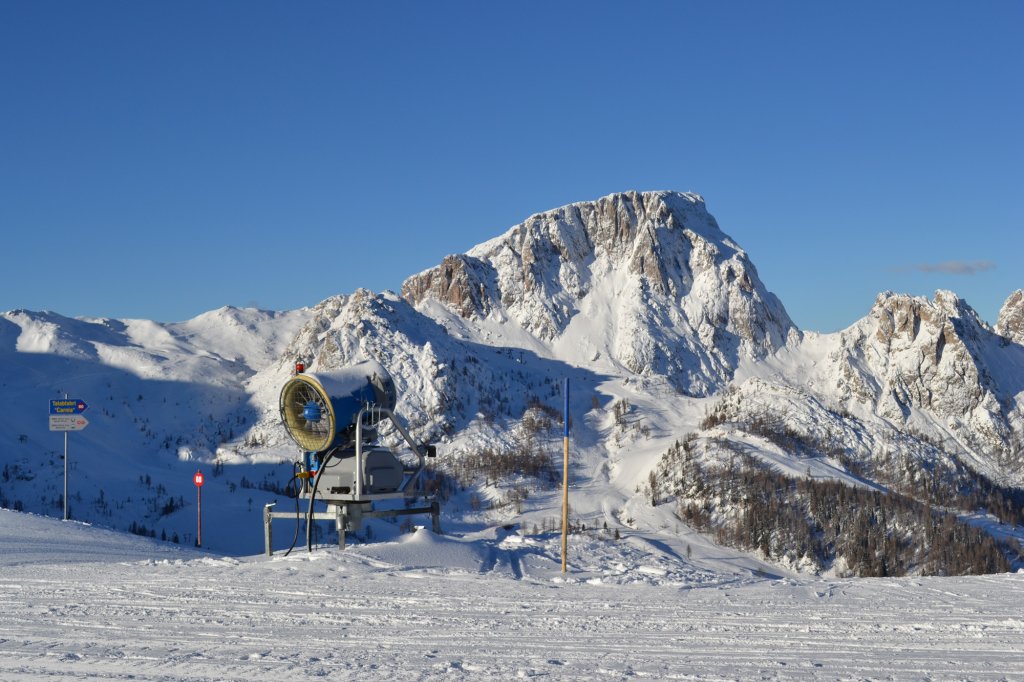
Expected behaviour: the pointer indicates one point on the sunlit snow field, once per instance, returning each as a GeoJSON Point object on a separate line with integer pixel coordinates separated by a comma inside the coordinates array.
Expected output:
{"type": "Point", "coordinates": [79, 602]}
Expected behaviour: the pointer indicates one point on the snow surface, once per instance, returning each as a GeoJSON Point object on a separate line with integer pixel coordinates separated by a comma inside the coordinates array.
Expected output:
{"type": "Point", "coordinates": [82, 603]}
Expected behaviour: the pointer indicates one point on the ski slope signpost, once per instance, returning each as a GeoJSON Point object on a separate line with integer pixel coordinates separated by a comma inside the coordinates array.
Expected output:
{"type": "Point", "coordinates": [66, 415]}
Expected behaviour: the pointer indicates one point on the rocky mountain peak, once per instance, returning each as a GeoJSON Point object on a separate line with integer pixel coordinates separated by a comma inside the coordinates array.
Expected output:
{"type": "Point", "coordinates": [1011, 318]}
{"type": "Point", "coordinates": [657, 261]}
{"type": "Point", "coordinates": [947, 318]}
{"type": "Point", "coordinates": [549, 255]}
{"type": "Point", "coordinates": [911, 354]}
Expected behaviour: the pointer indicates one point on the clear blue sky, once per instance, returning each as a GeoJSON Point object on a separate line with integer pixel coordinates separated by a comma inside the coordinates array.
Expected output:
{"type": "Point", "coordinates": [161, 159]}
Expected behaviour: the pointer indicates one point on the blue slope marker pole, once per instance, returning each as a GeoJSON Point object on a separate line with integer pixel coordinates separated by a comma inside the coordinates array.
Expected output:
{"type": "Point", "coordinates": [565, 478]}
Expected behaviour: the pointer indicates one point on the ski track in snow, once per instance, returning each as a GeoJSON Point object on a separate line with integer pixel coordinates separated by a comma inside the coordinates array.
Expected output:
{"type": "Point", "coordinates": [181, 615]}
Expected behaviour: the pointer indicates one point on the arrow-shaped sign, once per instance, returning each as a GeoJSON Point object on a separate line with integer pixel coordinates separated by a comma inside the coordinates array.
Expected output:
{"type": "Point", "coordinates": [67, 422]}
{"type": "Point", "coordinates": [68, 406]}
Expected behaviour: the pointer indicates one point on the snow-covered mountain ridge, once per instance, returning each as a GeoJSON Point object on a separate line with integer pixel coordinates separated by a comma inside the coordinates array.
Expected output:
{"type": "Point", "coordinates": [658, 318]}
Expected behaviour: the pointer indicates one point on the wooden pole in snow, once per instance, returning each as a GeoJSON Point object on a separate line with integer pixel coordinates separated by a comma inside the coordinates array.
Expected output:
{"type": "Point", "coordinates": [65, 470]}
{"type": "Point", "coordinates": [565, 479]}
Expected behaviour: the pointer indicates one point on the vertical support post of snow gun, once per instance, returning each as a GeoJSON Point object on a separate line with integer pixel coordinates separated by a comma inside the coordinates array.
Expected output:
{"type": "Point", "coordinates": [340, 521]}
{"type": "Point", "coordinates": [565, 479]}
{"type": "Point", "coordinates": [435, 517]}
{"type": "Point", "coordinates": [268, 534]}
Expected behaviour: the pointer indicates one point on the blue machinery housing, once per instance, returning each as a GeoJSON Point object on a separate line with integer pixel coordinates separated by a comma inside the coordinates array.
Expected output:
{"type": "Point", "coordinates": [334, 418]}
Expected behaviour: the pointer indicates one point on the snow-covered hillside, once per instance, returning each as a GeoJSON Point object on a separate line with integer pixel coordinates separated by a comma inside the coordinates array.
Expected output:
{"type": "Point", "coordinates": [162, 398]}
{"type": "Point", "coordinates": [656, 317]}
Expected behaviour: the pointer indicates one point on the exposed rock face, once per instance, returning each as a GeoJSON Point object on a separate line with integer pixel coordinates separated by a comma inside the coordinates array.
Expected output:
{"type": "Point", "coordinates": [1011, 318]}
{"type": "Point", "coordinates": [683, 297]}
{"type": "Point", "coordinates": [913, 354]}
{"type": "Point", "coordinates": [460, 282]}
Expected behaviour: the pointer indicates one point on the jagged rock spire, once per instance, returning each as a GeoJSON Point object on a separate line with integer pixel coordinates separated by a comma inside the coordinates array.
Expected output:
{"type": "Point", "coordinates": [1011, 318]}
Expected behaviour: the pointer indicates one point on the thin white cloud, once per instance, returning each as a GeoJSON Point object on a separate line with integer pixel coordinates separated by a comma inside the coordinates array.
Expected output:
{"type": "Point", "coordinates": [952, 267]}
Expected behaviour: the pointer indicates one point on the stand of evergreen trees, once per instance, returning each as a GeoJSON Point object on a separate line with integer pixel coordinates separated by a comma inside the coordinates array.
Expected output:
{"type": "Point", "coordinates": [826, 524]}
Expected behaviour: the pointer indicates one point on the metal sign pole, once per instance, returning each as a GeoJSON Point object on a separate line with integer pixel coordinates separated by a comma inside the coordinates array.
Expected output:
{"type": "Point", "coordinates": [66, 415]}
{"type": "Point", "coordinates": [65, 475]}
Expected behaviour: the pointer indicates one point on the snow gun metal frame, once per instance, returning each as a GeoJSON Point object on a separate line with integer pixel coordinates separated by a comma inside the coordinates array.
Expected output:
{"type": "Point", "coordinates": [334, 418]}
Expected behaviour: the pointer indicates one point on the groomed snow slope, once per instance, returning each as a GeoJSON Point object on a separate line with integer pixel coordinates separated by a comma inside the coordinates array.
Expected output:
{"type": "Point", "coordinates": [78, 602]}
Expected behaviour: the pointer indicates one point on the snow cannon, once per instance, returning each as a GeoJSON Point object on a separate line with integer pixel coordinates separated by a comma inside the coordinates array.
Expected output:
{"type": "Point", "coordinates": [321, 411]}
{"type": "Point", "coordinates": [336, 418]}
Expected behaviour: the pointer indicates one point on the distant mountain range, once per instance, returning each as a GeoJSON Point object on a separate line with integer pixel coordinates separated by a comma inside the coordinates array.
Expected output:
{"type": "Point", "coordinates": [658, 319]}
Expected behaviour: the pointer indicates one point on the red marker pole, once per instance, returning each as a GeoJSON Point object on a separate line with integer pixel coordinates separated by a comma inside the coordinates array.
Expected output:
{"type": "Point", "coordinates": [198, 480]}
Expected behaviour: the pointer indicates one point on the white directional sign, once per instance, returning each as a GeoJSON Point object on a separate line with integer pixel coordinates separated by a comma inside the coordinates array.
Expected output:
{"type": "Point", "coordinates": [67, 422]}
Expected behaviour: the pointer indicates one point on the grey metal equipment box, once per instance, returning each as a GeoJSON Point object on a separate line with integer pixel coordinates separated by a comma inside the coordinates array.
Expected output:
{"type": "Point", "coordinates": [382, 473]}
